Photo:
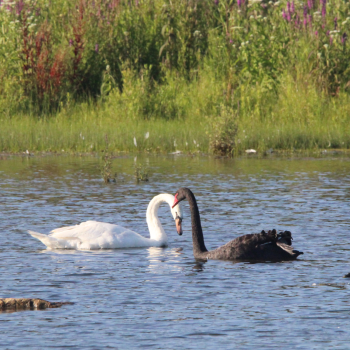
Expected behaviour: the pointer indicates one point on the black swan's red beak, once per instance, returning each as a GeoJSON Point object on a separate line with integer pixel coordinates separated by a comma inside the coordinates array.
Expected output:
{"type": "Point", "coordinates": [176, 201]}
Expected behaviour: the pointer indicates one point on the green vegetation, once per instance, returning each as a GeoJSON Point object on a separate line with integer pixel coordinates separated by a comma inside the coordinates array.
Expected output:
{"type": "Point", "coordinates": [106, 169]}
{"type": "Point", "coordinates": [216, 76]}
{"type": "Point", "coordinates": [141, 173]}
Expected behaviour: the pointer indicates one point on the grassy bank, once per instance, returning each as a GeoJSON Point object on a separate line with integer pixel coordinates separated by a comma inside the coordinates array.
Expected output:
{"type": "Point", "coordinates": [295, 119]}
{"type": "Point", "coordinates": [215, 76]}
{"type": "Point", "coordinates": [86, 132]}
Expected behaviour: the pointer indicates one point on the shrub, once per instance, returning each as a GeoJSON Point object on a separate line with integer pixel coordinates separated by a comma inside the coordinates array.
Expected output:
{"type": "Point", "coordinates": [223, 130]}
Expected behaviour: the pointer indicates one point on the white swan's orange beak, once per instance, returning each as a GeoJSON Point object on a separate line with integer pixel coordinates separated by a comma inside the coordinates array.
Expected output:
{"type": "Point", "coordinates": [178, 224]}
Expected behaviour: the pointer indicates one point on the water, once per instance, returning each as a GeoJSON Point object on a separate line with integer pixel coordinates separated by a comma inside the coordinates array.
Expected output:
{"type": "Point", "coordinates": [162, 298]}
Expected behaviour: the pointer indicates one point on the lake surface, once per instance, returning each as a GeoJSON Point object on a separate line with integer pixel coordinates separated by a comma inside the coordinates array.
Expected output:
{"type": "Point", "coordinates": [161, 298]}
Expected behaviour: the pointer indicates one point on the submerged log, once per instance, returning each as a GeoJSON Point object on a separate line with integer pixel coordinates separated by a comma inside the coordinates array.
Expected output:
{"type": "Point", "coordinates": [28, 304]}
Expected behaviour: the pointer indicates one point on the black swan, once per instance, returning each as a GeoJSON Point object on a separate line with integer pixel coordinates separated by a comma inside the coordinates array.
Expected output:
{"type": "Point", "coordinates": [261, 246]}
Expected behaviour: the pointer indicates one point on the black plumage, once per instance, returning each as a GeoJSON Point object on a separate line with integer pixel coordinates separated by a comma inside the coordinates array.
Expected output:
{"type": "Point", "coordinates": [267, 246]}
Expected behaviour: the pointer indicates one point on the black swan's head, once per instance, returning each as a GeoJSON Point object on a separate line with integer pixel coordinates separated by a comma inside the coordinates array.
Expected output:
{"type": "Point", "coordinates": [180, 195]}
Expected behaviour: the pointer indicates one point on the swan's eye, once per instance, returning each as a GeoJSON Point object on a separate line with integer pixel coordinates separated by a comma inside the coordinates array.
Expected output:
{"type": "Point", "coordinates": [177, 217]}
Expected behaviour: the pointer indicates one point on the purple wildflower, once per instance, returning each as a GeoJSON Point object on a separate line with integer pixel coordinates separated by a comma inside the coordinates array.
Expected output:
{"type": "Point", "coordinates": [297, 21]}
{"type": "Point", "coordinates": [19, 7]}
{"type": "Point", "coordinates": [96, 48]}
{"type": "Point", "coordinates": [305, 16]}
{"type": "Point", "coordinates": [288, 16]}
{"type": "Point", "coordinates": [216, 2]}
{"type": "Point", "coordinates": [323, 8]}
{"type": "Point", "coordinates": [239, 3]}
{"type": "Point", "coordinates": [316, 32]}
{"type": "Point", "coordinates": [310, 4]}
{"type": "Point", "coordinates": [328, 32]}
{"type": "Point", "coordinates": [292, 7]}
{"type": "Point", "coordinates": [70, 42]}
{"type": "Point", "coordinates": [305, 11]}
{"type": "Point", "coordinates": [343, 38]}
{"type": "Point", "coordinates": [284, 14]}
{"type": "Point", "coordinates": [310, 19]}
{"type": "Point", "coordinates": [231, 41]}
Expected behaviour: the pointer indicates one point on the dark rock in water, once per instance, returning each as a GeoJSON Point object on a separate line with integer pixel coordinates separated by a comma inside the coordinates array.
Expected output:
{"type": "Point", "coordinates": [347, 275]}
{"type": "Point", "coordinates": [16, 304]}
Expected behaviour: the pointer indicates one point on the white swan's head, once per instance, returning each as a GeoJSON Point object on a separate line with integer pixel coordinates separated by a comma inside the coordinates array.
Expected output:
{"type": "Point", "coordinates": [177, 215]}
{"type": "Point", "coordinates": [155, 228]}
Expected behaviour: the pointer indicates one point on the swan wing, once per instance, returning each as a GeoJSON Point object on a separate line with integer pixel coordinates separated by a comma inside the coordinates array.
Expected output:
{"type": "Point", "coordinates": [89, 230]}
{"type": "Point", "coordinates": [94, 235]}
{"type": "Point", "coordinates": [289, 249]}
{"type": "Point", "coordinates": [54, 243]}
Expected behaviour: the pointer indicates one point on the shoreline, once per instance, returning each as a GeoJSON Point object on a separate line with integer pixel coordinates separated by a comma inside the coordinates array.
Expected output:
{"type": "Point", "coordinates": [126, 154]}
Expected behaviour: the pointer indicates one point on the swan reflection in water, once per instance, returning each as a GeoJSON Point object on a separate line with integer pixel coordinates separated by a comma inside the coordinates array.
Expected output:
{"type": "Point", "coordinates": [172, 260]}
{"type": "Point", "coordinates": [161, 259]}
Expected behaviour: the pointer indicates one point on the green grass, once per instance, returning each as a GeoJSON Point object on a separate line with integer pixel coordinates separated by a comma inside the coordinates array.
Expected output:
{"type": "Point", "coordinates": [297, 117]}
{"type": "Point", "coordinates": [85, 131]}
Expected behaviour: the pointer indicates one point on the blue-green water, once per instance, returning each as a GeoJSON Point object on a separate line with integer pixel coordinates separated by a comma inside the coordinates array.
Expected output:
{"type": "Point", "coordinates": [162, 298]}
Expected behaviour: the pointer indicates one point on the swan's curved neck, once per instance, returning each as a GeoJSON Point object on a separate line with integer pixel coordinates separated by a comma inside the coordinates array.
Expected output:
{"type": "Point", "coordinates": [154, 226]}
{"type": "Point", "coordinates": [197, 233]}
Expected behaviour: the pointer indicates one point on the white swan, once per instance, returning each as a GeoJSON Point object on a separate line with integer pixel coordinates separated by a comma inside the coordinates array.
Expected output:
{"type": "Point", "coordinates": [99, 235]}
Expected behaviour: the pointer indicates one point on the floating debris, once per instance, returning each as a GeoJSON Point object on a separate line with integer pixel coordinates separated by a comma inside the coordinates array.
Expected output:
{"type": "Point", "coordinates": [250, 151]}
{"type": "Point", "coordinates": [15, 304]}
{"type": "Point", "coordinates": [27, 153]}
